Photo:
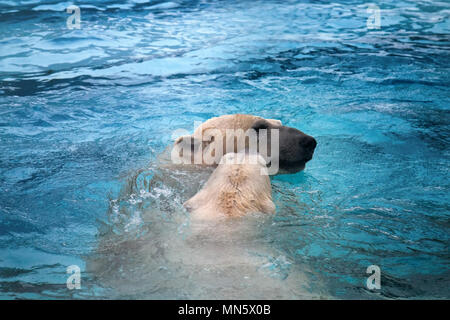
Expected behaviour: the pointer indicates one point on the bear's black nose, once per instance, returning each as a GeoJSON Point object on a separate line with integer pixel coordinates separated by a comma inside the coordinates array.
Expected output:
{"type": "Point", "coordinates": [309, 143]}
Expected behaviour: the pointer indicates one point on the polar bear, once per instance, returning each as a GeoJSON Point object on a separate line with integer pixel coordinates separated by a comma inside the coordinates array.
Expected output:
{"type": "Point", "coordinates": [238, 186]}
{"type": "Point", "coordinates": [284, 148]}
{"type": "Point", "coordinates": [165, 252]}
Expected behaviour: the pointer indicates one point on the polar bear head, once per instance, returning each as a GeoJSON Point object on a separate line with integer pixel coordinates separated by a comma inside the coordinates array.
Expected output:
{"type": "Point", "coordinates": [238, 186]}
{"type": "Point", "coordinates": [284, 148]}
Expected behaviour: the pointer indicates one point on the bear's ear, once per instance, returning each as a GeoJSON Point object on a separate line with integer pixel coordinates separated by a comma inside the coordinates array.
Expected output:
{"type": "Point", "coordinates": [186, 141]}
{"type": "Point", "coordinates": [184, 149]}
{"type": "Point", "coordinates": [274, 122]}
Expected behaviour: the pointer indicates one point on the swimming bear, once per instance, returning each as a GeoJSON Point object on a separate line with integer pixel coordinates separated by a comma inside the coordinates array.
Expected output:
{"type": "Point", "coordinates": [167, 253]}
{"type": "Point", "coordinates": [238, 186]}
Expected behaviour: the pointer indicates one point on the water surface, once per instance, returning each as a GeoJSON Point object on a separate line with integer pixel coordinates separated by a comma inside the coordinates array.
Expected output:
{"type": "Point", "coordinates": [83, 110]}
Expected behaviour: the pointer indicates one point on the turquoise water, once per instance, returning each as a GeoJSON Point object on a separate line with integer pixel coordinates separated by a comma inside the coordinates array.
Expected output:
{"type": "Point", "coordinates": [82, 110]}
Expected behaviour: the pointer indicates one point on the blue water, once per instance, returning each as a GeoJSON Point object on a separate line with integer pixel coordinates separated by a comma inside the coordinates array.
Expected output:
{"type": "Point", "coordinates": [81, 110]}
